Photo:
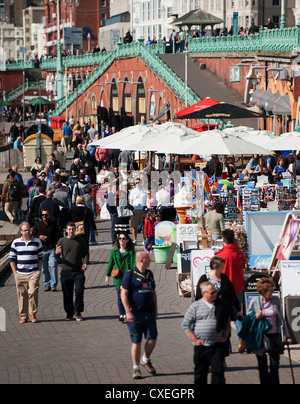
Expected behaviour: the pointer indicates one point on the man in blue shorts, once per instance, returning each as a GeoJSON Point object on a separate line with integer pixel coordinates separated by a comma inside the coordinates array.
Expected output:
{"type": "Point", "coordinates": [139, 300]}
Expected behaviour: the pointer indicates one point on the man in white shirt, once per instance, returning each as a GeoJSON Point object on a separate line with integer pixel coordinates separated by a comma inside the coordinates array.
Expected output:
{"type": "Point", "coordinates": [138, 199]}
{"type": "Point", "coordinates": [163, 197]}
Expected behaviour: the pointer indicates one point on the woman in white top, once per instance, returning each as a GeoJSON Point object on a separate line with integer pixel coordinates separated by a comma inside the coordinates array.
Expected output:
{"type": "Point", "coordinates": [38, 165]}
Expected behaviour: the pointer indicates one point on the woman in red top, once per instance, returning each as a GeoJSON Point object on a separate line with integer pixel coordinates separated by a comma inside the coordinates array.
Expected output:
{"type": "Point", "coordinates": [149, 231]}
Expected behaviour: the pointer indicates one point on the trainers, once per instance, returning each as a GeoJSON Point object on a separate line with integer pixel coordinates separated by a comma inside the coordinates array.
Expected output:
{"type": "Point", "coordinates": [78, 317]}
{"type": "Point", "coordinates": [148, 366]}
{"type": "Point", "coordinates": [23, 320]}
{"type": "Point", "coordinates": [136, 374]}
{"type": "Point", "coordinates": [33, 318]}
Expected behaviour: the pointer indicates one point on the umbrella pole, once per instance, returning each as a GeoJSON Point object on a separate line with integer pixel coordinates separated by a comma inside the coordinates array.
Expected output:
{"type": "Point", "coordinates": [295, 166]}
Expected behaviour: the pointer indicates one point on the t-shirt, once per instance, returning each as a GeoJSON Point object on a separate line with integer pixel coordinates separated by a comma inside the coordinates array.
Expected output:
{"type": "Point", "coordinates": [67, 131]}
{"type": "Point", "coordinates": [139, 198]}
{"type": "Point", "coordinates": [141, 287]}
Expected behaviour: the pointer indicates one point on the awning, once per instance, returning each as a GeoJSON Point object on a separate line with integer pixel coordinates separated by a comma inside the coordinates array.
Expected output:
{"type": "Point", "coordinates": [264, 98]}
{"type": "Point", "coordinates": [282, 106]}
{"type": "Point", "coordinates": [269, 105]}
{"type": "Point", "coordinates": [254, 97]}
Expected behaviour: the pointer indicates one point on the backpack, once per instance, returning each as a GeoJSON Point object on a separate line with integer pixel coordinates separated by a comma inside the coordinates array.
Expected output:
{"type": "Point", "coordinates": [13, 189]}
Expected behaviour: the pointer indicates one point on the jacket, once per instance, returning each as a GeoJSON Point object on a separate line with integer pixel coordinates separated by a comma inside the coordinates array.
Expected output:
{"type": "Point", "coordinates": [234, 265]}
{"type": "Point", "coordinates": [149, 228]}
{"type": "Point", "coordinates": [116, 260]}
{"type": "Point", "coordinates": [5, 194]}
{"type": "Point", "coordinates": [252, 331]}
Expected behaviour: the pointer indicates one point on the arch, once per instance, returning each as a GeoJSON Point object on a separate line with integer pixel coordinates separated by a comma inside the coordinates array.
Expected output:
{"type": "Point", "coordinates": [141, 109]}
{"type": "Point", "coordinates": [126, 109]}
{"type": "Point", "coordinates": [86, 111]}
{"type": "Point", "coordinates": [114, 112]}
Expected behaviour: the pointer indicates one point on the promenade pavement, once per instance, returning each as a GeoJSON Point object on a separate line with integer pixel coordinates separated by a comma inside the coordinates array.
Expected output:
{"type": "Point", "coordinates": [97, 350]}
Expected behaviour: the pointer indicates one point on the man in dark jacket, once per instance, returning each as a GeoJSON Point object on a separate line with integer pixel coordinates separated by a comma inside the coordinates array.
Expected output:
{"type": "Point", "coordinates": [49, 234]}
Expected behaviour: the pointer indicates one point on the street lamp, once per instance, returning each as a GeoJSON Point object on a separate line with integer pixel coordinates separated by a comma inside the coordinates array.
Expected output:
{"type": "Point", "coordinates": [59, 65]}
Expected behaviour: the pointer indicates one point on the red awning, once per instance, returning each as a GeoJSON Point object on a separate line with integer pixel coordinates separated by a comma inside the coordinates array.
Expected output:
{"type": "Point", "coordinates": [205, 103]}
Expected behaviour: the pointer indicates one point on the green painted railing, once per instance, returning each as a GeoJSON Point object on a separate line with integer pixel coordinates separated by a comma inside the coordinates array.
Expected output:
{"type": "Point", "coordinates": [274, 40]}
{"type": "Point", "coordinates": [149, 56]}
{"type": "Point", "coordinates": [16, 92]}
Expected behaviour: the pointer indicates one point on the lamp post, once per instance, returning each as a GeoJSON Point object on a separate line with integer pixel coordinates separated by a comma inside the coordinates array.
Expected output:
{"type": "Point", "coordinates": [59, 65]}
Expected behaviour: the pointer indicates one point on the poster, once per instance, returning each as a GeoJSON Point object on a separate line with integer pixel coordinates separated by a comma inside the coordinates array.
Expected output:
{"type": "Point", "coordinates": [288, 240]}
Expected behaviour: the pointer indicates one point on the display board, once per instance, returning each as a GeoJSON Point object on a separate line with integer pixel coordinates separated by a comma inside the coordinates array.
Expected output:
{"type": "Point", "coordinates": [200, 264]}
{"type": "Point", "coordinates": [263, 231]}
{"type": "Point", "coordinates": [290, 278]}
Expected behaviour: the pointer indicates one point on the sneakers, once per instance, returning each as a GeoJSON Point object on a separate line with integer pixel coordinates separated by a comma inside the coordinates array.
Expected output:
{"type": "Point", "coordinates": [33, 318]}
{"type": "Point", "coordinates": [78, 317]}
{"type": "Point", "coordinates": [148, 366]}
{"type": "Point", "coordinates": [136, 374]}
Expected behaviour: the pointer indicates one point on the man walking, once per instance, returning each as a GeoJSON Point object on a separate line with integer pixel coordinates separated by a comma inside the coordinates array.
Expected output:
{"type": "Point", "coordinates": [11, 196]}
{"type": "Point", "coordinates": [67, 133]}
{"type": "Point", "coordinates": [207, 324]}
{"type": "Point", "coordinates": [49, 234]}
{"type": "Point", "coordinates": [74, 253]}
{"type": "Point", "coordinates": [138, 199]}
{"type": "Point", "coordinates": [26, 259]}
{"type": "Point", "coordinates": [138, 296]}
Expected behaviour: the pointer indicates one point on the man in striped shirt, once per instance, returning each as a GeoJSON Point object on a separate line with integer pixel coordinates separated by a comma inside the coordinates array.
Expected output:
{"type": "Point", "coordinates": [207, 324]}
{"type": "Point", "coordinates": [26, 259]}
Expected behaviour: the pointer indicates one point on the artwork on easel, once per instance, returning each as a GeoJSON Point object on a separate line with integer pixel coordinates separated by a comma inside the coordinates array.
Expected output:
{"type": "Point", "coordinates": [288, 240]}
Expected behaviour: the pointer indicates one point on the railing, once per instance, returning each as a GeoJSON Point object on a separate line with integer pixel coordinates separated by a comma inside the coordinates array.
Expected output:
{"type": "Point", "coordinates": [273, 40]}
{"type": "Point", "coordinates": [149, 56]}
{"type": "Point", "coordinates": [28, 85]}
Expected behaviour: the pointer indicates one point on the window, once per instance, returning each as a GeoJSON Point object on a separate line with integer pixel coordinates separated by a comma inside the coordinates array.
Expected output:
{"type": "Point", "coordinates": [103, 3]}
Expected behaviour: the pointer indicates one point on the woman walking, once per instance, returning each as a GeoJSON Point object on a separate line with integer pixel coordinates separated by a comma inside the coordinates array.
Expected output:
{"type": "Point", "coordinates": [269, 307]}
{"type": "Point", "coordinates": [122, 259]}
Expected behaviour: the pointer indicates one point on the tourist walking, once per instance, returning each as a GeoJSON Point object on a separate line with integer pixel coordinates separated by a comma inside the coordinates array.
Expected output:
{"type": "Point", "coordinates": [140, 302]}
{"type": "Point", "coordinates": [73, 252]}
{"type": "Point", "coordinates": [234, 266]}
{"type": "Point", "coordinates": [11, 197]}
{"type": "Point", "coordinates": [26, 259]}
{"type": "Point", "coordinates": [122, 259]}
{"type": "Point", "coordinates": [138, 199]}
{"type": "Point", "coordinates": [207, 324]}
{"type": "Point", "coordinates": [268, 306]}
{"type": "Point", "coordinates": [49, 234]}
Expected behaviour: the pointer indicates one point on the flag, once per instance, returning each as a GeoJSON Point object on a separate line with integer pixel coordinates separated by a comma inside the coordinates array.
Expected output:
{"type": "Point", "coordinates": [206, 188]}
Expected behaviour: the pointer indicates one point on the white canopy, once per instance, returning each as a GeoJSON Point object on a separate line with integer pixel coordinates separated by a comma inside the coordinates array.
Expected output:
{"type": "Point", "coordinates": [215, 142]}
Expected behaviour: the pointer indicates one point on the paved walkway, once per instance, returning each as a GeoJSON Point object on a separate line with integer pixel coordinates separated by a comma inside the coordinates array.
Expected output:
{"type": "Point", "coordinates": [97, 350]}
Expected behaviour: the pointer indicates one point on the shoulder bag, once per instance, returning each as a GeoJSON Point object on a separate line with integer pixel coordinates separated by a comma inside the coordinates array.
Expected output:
{"type": "Point", "coordinates": [116, 273]}
{"type": "Point", "coordinates": [79, 226]}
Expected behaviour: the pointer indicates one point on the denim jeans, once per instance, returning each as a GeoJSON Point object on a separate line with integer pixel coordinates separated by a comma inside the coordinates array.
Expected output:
{"type": "Point", "coordinates": [50, 278]}
{"type": "Point", "coordinates": [120, 304]}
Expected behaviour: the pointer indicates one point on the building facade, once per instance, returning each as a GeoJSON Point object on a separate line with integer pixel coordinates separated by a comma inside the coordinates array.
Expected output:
{"type": "Point", "coordinates": [70, 14]}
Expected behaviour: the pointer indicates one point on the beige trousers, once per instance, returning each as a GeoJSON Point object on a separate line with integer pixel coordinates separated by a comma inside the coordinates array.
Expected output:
{"type": "Point", "coordinates": [27, 290]}
{"type": "Point", "coordinates": [10, 208]}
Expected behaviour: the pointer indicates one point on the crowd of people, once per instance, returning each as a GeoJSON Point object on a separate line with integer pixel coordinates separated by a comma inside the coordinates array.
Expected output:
{"type": "Point", "coordinates": [60, 226]}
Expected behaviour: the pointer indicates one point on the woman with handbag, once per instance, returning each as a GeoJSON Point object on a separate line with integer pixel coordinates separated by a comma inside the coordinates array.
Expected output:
{"type": "Point", "coordinates": [269, 307]}
{"type": "Point", "coordinates": [122, 259]}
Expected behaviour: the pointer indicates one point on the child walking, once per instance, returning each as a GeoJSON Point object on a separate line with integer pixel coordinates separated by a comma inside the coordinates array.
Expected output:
{"type": "Point", "coordinates": [149, 230]}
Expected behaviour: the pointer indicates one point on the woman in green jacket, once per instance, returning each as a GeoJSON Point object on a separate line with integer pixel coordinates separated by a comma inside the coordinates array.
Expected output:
{"type": "Point", "coordinates": [122, 257]}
